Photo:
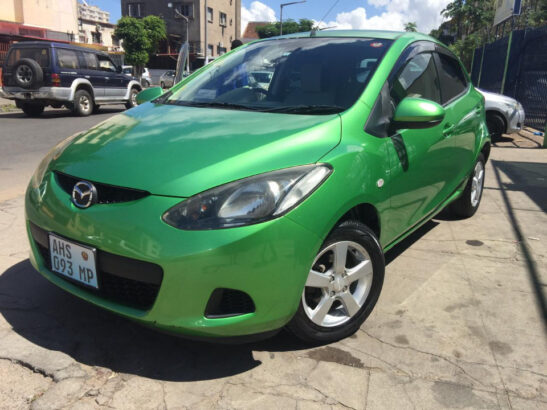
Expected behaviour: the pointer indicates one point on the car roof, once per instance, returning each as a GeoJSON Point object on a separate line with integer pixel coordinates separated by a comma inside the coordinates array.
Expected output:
{"type": "Point", "coordinates": [56, 45]}
{"type": "Point", "coordinates": [376, 34]}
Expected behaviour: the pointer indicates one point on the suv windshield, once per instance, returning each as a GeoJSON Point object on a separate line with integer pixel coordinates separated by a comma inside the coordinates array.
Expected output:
{"type": "Point", "coordinates": [311, 75]}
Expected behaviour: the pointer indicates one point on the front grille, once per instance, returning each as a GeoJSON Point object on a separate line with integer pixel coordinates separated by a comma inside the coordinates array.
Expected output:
{"type": "Point", "coordinates": [126, 281]}
{"type": "Point", "coordinates": [107, 194]}
{"type": "Point", "coordinates": [228, 302]}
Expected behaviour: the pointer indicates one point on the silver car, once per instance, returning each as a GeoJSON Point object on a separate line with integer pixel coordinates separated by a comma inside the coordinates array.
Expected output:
{"type": "Point", "coordinates": [167, 79]}
{"type": "Point", "coordinates": [504, 115]}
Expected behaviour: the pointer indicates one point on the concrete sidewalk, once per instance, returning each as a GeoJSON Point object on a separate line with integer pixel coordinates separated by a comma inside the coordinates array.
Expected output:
{"type": "Point", "coordinates": [460, 324]}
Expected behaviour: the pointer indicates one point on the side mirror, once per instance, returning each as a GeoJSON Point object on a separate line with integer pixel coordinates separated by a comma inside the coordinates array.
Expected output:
{"type": "Point", "coordinates": [149, 94]}
{"type": "Point", "coordinates": [417, 113]}
{"type": "Point", "coordinates": [119, 69]}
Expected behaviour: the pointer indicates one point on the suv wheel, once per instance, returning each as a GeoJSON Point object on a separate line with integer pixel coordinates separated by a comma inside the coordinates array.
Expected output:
{"type": "Point", "coordinates": [162, 84]}
{"type": "Point", "coordinates": [32, 110]}
{"type": "Point", "coordinates": [342, 287]}
{"type": "Point", "coordinates": [28, 73]}
{"type": "Point", "coordinates": [132, 102]}
{"type": "Point", "coordinates": [83, 103]}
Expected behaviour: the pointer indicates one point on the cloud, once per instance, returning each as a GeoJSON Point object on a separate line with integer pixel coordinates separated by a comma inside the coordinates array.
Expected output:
{"type": "Point", "coordinates": [256, 12]}
{"type": "Point", "coordinates": [426, 14]}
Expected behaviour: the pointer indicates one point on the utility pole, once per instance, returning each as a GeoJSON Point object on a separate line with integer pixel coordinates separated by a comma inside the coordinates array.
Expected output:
{"type": "Point", "coordinates": [205, 36]}
{"type": "Point", "coordinates": [281, 14]}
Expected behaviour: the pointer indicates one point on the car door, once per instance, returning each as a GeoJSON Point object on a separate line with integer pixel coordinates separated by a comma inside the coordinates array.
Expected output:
{"type": "Point", "coordinates": [69, 66]}
{"type": "Point", "coordinates": [90, 70]}
{"type": "Point", "coordinates": [113, 84]}
{"type": "Point", "coordinates": [463, 112]}
{"type": "Point", "coordinates": [421, 159]}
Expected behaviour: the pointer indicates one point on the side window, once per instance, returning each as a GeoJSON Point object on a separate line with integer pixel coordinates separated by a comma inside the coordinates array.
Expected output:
{"type": "Point", "coordinates": [106, 64]}
{"type": "Point", "coordinates": [418, 78]}
{"type": "Point", "coordinates": [91, 61]}
{"type": "Point", "coordinates": [453, 81]}
{"type": "Point", "coordinates": [67, 58]}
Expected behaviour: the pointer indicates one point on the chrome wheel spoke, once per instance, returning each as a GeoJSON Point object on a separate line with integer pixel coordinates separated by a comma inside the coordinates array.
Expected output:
{"type": "Point", "coordinates": [362, 270]}
{"type": "Point", "coordinates": [323, 307]}
{"type": "Point", "coordinates": [340, 256]}
{"type": "Point", "coordinates": [350, 304]}
{"type": "Point", "coordinates": [317, 280]}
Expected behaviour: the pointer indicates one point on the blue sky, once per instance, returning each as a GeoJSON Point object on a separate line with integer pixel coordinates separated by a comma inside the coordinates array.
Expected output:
{"type": "Point", "coordinates": [359, 14]}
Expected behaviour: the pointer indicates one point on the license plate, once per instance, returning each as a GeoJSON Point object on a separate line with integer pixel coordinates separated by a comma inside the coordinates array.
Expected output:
{"type": "Point", "coordinates": [74, 261]}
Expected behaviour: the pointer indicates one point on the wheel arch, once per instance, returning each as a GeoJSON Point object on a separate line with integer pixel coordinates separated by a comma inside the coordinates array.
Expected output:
{"type": "Point", "coordinates": [81, 84]}
{"type": "Point", "coordinates": [365, 213]}
{"type": "Point", "coordinates": [485, 150]}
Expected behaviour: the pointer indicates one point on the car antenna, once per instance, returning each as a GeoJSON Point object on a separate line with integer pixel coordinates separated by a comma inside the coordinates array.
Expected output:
{"type": "Point", "coordinates": [315, 29]}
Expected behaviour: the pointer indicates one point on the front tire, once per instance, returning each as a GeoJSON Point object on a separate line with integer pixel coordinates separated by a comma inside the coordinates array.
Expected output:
{"type": "Point", "coordinates": [468, 203]}
{"type": "Point", "coordinates": [496, 125]}
{"type": "Point", "coordinates": [132, 102]}
{"type": "Point", "coordinates": [33, 110]}
{"type": "Point", "coordinates": [342, 287]}
{"type": "Point", "coordinates": [83, 103]}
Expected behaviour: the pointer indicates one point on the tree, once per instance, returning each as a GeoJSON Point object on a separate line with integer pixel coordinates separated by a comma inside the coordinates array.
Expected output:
{"type": "Point", "coordinates": [140, 39]}
{"type": "Point", "coordinates": [411, 26]}
{"type": "Point", "coordinates": [289, 27]}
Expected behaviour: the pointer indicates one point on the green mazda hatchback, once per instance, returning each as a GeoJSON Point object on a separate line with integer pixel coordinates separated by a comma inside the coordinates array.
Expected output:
{"type": "Point", "coordinates": [229, 208]}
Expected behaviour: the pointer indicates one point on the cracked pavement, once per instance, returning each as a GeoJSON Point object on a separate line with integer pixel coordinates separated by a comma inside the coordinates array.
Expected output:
{"type": "Point", "coordinates": [458, 325]}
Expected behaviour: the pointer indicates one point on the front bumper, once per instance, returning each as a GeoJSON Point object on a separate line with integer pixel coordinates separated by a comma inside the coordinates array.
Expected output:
{"type": "Point", "coordinates": [43, 93]}
{"type": "Point", "coordinates": [515, 120]}
{"type": "Point", "coordinates": [268, 261]}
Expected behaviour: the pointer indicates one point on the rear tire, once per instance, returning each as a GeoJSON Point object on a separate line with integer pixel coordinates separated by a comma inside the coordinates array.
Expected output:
{"type": "Point", "coordinates": [33, 110]}
{"type": "Point", "coordinates": [496, 125]}
{"type": "Point", "coordinates": [83, 103]}
{"type": "Point", "coordinates": [468, 203]}
{"type": "Point", "coordinates": [162, 85]}
{"type": "Point", "coordinates": [27, 73]}
{"type": "Point", "coordinates": [343, 285]}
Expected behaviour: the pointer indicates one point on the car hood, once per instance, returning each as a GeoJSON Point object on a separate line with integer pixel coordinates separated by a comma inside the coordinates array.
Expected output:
{"type": "Point", "coordinates": [180, 151]}
{"type": "Point", "coordinates": [495, 99]}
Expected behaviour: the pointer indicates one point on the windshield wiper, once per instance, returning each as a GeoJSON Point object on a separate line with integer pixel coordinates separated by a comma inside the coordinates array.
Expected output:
{"type": "Point", "coordinates": [213, 104]}
{"type": "Point", "coordinates": [307, 109]}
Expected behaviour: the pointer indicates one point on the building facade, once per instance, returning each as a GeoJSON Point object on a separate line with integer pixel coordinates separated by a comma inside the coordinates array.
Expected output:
{"type": "Point", "coordinates": [92, 13]}
{"type": "Point", "coordinates": [94, 27]}
{"type": "Point", "coordinates": [212, 26]}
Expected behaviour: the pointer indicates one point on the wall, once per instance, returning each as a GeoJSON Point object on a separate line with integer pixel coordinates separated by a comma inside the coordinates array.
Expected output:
{"type": "Point", "coordinates": [57, 15]}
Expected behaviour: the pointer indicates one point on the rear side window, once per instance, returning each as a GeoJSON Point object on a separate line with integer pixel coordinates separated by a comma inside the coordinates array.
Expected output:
{"type": "Point", "coordinates": [453, 81]}
{"type": "Point", "coordinates": [91, 61]}
{"type": "Point", "coordinates": [38, 54]}
{"type": "Point", "coordinates": [67, 58]}
{"type": "Point", "coordinates": [418, 78]}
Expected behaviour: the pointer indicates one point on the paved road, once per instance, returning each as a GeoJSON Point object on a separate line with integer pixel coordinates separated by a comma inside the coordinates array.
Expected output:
{"type": "Point", "coordinates": [24, 141]}
{"type": "Point", "coordinates": [459, 323]}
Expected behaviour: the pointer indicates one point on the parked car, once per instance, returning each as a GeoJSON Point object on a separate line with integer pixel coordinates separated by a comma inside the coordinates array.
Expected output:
{"type": "Point", "coordinates": [146, 78]}
{"type": "Point", "coordinates": [219, 210]}
{"type": "Point", "coordinates": [504, 115]}
{"type": "Point", "coordinates": [167, 79]}
{"type": "Point", "coordinates": [37, 74]}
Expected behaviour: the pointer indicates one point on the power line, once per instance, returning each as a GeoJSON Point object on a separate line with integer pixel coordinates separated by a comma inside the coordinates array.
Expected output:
{"type": "Point", "coordinates": [328, 12]}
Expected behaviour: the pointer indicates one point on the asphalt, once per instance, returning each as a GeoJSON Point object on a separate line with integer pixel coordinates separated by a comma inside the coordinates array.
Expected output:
{"type": "Point", "coordinates": [461, 322]}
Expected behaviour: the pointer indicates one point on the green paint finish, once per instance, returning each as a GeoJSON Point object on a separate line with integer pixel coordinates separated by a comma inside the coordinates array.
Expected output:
{"type": "Point", "coordinates": [418, 111]}
{"type": "Point", "coordinates": [482, 62]}
{"type": "Point", "coordinates": [507, 55]}
{"type": "Point", "coordinates": [175, 152]}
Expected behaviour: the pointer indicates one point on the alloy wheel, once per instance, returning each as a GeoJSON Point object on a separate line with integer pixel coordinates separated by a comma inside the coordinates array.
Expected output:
{"type": "Point", "coordinates": [338, 284]}
{"type": "Point", "coordinates": [84, 103]}
{"type": "Point", "coordinates": [24, 74]}
{"type": "Point", "coordinates": [477, 183]}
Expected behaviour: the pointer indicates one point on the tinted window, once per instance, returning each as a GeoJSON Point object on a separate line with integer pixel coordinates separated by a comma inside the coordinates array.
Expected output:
{"type": "Point", "coordinates": [306, 74]}
{"type": "Point", "coordinates": [91, 61]}
{"type": "Point", "coordinates": [67, 58]}
{"type": "Point", "coordinates": [453, 80]}
{"type": "Point", "coordinates": [418, 78]}
{"type": "Point", "coordinates": [40, 55]}
{"type": "Point", "coordinates": [106, 64]}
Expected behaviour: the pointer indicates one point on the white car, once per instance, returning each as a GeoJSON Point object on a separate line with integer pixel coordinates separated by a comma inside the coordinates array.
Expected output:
{"type": "Point", "coordinates": [504, 115]}
{"type": "Point", "coordinates": [146, 79]}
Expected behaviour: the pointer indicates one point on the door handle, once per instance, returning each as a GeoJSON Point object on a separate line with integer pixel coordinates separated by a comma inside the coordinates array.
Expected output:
{"type": "Point", "coordinates": [448, 130]}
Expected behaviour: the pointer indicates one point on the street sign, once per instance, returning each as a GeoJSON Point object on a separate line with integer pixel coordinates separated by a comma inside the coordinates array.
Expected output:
{"type": "Point", "coordinates": [505, 9]}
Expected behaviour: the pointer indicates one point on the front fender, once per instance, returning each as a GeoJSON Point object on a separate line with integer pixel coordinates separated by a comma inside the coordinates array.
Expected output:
{"type": "Point", "coordinates": [132, 84]}
{"type": "Point", "coordinates": [78, 82]}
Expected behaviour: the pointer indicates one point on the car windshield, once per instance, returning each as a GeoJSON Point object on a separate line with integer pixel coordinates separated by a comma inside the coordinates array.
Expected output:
{"type": "Point", "coordinates": [310, 75]}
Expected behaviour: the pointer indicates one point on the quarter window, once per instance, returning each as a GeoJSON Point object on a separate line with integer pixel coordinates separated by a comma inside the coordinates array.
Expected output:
{"type": "Point", "coordinates": [453, 81]}
{"type": "Point", "coordinates": [67, 58]}
{"type": "Point", "coordinates": [419, 79]}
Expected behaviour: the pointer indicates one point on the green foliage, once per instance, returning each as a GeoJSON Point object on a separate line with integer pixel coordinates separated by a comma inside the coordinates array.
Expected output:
{"type": "Point", "coordinates": [464, 48]}
{"type": "Point", "coordinates": [411, 26]}
{"type": "Point", "coordinates": [289, 27]}
{"type": "Point", "coordinates": [140, 38]}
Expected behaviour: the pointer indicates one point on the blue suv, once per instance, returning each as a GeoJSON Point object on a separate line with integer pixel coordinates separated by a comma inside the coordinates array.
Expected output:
{"type": "Point", "coordinates": [37, 74]}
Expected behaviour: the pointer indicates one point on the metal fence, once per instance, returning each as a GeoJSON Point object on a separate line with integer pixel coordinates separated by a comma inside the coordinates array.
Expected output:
{"type": "Point", "coordinates": [516, 66]}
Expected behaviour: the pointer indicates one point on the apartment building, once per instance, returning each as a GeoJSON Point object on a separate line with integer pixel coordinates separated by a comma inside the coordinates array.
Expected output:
{"type": "Point", "coordinates": [94, 27]}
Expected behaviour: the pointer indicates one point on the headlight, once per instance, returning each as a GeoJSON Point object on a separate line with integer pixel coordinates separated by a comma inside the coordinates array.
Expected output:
{"type": "Point", "coordinates": [52, 155]}
{"type": "Point", "coordinates": [248, 201]}
{"type": "Point", "coordinates": [512, 105]}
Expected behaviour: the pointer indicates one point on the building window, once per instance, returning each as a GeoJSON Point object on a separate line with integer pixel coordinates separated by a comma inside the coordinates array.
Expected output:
{"type": "Point", "coordinates": [222, 19]}
{"type": "Point", "coordinates": [135, 9]}
{"type": "Point", "coordinates": [186, 9]}
{"type": "Point", "coordinates": [209, 14]}
{"type": "Point", "coordinates": [210, 50]}
{"type": "Point", "coordinates": [96, 37]}
{"type": "Point", "coordinates": [221, 50]}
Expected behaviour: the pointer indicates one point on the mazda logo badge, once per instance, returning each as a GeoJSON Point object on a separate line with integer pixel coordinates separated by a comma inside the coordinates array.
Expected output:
{"type": "Point", "coordinates": [84, 194]}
